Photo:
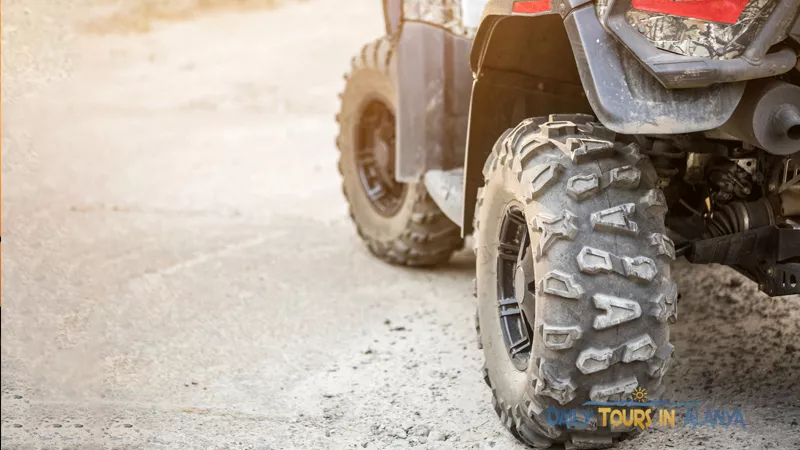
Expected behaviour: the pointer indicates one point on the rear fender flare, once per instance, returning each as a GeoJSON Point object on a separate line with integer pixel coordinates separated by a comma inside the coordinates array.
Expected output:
{"type": "Point", "coordinates": [602, 78]}
{"type": "Point", "coordinates": [626, 98]}
{"type": "Point", "coordinates": [533, 77]}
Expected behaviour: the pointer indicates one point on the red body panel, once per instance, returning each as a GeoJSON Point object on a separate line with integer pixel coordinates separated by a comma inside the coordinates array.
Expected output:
{"type": "Point", "coordinates": [725, 11]}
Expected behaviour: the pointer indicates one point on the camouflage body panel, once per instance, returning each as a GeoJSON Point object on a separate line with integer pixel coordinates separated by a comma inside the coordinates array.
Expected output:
{"type": "Point", "coordinates": [442, 13]}
{"type": "Point", "coordinates": [699, 38]}
{"type": "Point", "coordinates": [601, 6]}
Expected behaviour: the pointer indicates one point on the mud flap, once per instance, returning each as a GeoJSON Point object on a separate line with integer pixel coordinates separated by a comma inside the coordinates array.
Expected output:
{"type": "Point", "coordinates": [434, 82]}
{"type": "Point", "coordinates": [446, 188]}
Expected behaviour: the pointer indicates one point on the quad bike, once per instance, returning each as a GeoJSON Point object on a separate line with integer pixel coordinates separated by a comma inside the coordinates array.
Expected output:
{"type": "Point", "coordinates": [585, 145]}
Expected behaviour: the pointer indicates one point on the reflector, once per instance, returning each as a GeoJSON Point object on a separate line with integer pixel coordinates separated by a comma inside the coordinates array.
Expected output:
{"type": "Point", "coordinates": [531, 6]}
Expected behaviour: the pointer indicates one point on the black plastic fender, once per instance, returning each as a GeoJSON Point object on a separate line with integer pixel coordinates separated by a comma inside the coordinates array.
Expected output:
{"type": "Point", "coordinates": [626, 98]}
{"type": "Point", "coordinates": [523, 69]}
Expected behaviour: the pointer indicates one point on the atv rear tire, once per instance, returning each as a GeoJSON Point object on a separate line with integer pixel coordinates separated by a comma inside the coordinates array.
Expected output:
{"type": "Point", "coordinates": [399, 223]}
{"type": "Point", "coordinates": [573, 277]}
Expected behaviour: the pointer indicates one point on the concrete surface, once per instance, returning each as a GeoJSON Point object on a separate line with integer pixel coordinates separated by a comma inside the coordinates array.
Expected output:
{"type": "Point", "coordinates": [179, 270]}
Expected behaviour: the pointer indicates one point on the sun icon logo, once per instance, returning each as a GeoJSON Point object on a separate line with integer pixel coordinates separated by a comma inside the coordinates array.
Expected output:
{"type": "Point", "coordinates": [639, 394]}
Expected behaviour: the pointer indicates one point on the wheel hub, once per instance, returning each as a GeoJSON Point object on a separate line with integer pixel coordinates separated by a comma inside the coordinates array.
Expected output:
{"type": "Point", "coordinates": [375, 158]}
{"type": "Point", "coordinates": [521, 292]}
{"type": "Point", "coordinates": [384, 156]}
{"type": "Point", "coordinates": [516, 286]}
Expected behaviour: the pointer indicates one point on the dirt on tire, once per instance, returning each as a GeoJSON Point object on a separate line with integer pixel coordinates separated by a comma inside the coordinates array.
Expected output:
{"type": "Point", "coordinates": [603, 290]}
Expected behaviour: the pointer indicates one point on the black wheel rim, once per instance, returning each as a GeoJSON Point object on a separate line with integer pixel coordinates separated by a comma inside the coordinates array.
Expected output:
{"type": "Point", "coordinates": [516, 286]}
{"type": "Point", "coordinates": [375, 158]}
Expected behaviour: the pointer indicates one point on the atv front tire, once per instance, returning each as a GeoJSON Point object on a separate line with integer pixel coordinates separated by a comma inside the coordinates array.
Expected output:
{"type": "Point", "coordinates": [573, 277]}
{"type": "Point", "coordinates": [400, 223]}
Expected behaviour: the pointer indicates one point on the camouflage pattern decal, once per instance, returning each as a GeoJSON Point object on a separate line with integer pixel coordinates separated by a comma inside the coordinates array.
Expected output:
{"type": "Point", "coordinates": [442, 13]}
{"type": "Point", "coordinates": [601, 6]}
{"type": "Point", "coordinates": [693, 37]}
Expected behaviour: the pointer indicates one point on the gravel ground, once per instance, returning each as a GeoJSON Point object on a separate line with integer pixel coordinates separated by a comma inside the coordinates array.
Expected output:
{"type": "Point", "coordinates": [179, 270]}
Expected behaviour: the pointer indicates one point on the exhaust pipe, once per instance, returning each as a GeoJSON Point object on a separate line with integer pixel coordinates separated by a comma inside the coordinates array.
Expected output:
{"type": "Point", "coordinates": [768, 117]}
{"type": "Point", "coordinates": [787, 122]}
